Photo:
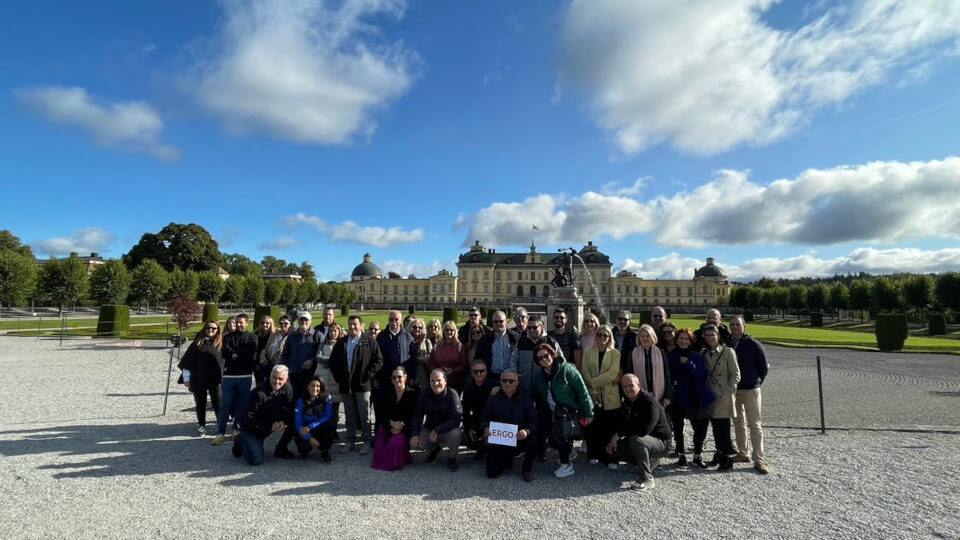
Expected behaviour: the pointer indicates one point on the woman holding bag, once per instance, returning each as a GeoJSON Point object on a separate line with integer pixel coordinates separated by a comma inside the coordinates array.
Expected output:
{"type": "Point", "coordinates": [202, 367]}
{"type": "Point", "coordinates": [723, 374]}
{"type": "Point", "coordinates": [601, 374]}
{"type": "Point", "coordinates": [691, 396]}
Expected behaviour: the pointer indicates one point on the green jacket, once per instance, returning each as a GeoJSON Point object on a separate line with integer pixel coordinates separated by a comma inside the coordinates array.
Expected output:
{"type": "Point", "coordinates": [569, 389]}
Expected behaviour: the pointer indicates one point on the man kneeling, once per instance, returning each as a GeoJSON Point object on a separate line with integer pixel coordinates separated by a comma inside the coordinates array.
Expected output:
{"type": "Point", "coordinates": [509, 407]}
{"type": "Point", "coordinates": [441, 406]}
{"type": "Point", "coordinates": [643, 436]}
{"type": "Point", "coordinates": [268, 409]}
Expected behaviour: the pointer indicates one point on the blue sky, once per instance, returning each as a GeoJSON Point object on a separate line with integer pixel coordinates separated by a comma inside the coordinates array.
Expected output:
{"type": "Point", "coordinates": [783, 139]}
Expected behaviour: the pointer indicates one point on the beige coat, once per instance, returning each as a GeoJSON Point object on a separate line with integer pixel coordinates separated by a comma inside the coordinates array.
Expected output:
{"type": "Point", "coordinates": [602, 385]}
{"type": "Point", "coordinates": [723, 374]}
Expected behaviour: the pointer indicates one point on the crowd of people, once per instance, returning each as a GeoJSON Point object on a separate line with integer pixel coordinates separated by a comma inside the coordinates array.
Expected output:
{"type": "Point", "coordinates": [624, 392]}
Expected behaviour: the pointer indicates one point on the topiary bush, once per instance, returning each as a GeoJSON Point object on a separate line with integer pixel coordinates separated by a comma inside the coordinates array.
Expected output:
{"type": "Point", "coordinates": [483, 313]}
{"type": "Point", "coordinates": [450, 314]}
{"type": "Point", "coordinates": [345, 310]}
{"type": "Point", "coordinates": [412, 310]}
{"type": "Point", "coordinates": [114, 320]}
{"type": "Point", "coordinates": [210, 312]}
{"type": "Point", "coordinates": [891, 331]}
{"type": "Point", "coordinates": [644, 317]}
{"type": "Point", "coordinates": [748, 316]}
{"type": "Point", "coordinates": [262, 311]}
{"type": "Point", "coordinates": [938, 324]}
{"type": "Point", "coordinates": [816, 319]}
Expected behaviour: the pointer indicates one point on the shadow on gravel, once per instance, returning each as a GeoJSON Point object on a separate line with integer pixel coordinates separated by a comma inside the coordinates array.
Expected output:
{"type": "Point", "coordinates": [945, 394]}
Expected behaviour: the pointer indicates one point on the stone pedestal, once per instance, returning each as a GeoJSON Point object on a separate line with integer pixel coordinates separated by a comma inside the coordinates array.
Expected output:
{"type": "Point", "coordinates": [569, 299]}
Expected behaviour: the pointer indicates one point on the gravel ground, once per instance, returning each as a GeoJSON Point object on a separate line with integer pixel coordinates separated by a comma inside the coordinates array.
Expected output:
{"type": "Point", "coordinates": [86, 454]}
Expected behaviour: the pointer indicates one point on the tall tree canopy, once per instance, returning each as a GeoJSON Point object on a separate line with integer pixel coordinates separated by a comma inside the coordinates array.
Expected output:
{"type": "Point", "coordinates": [11, 242]}
{"type": "Point", "coordinates": [189, 247]}
{"type": "Point", "coordinates": [62, 282]}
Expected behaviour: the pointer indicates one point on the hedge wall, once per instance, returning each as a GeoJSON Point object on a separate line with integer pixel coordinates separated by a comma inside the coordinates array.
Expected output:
{"type": "Point", "coordinates": [891, 331]}
{"type": "Point", "coordinates": [261, 311]}
{"type": "Point", "coordinates": [210, 312]}
{"type": "Point", "coordinates": [114, 320]}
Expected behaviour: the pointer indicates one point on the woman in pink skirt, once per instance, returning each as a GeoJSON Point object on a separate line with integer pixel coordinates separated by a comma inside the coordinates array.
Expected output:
{"type": "Point", "coordinates": [394, 410]}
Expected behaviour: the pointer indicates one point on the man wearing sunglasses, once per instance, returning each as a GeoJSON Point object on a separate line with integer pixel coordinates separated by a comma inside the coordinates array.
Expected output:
{"type": "Point", "coordinates": [624, 338]}
{"type": "Point", "coordinates": [475, 396]}
{"type": "Point", "coordinates": [510, 407]}
{"type": "Point", "coordinates": [533, 337]}
{"type": "Point", "coordinates": [566, 337]}
{"type": "Point", "coordinates": [498, 349]}
{"type": "Point", "coordinates": [474, 320]}
{"type": "Point", "coordinates": [657, 317]}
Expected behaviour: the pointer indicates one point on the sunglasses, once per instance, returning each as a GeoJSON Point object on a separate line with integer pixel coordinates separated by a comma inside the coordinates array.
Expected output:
{"type": "Point", "coordinates": [499, 321]}
{"type": "Point", "coordinates": [622, 319]}
{"type": "Point", "coordinates": [479, 371]}
{"type": "Point", "coordinates": [658, 316]}
{"type": "Point", "coordinates": [542, 357]}
{"type": "Point", "coordinates": [508, 381]}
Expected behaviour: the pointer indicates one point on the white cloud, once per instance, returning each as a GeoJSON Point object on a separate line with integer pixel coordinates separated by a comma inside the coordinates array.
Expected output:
{"type": "Point", "coordinates": [310, 71]}
{"type": "Point", "coordinates": [279, 244]}
{"type": "Point", "coordinates": [877, 202]}
{"type": "Point", "coordinates": [350, 232]}
{"type": "Point", "coordinates": [131, 126]}
{"type": "Point", "coordinates": [670, 266]}
{"type": "Point", "coordinates": [83, 242]}
{"type": "Point", "coordinates": [871, 260]}
{"type": "Point", "coordinates": [421, 270]}
{"type": "Point", "coordinates": [706, 76]}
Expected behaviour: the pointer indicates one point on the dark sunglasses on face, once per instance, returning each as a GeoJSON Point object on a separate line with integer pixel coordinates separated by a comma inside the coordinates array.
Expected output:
{"type": "Point", "coordinates": [508, 381]}
{"type": "Point", "coordinates": [543, 357]}
{"type": "Point", "coordinates": [622, 319]}
{"type": "Point", "coordinates": [479, 371]}
{"type": "Point", "coordinates": [498, 321]}
{"type": "Point", "coordinates": [658, 316]}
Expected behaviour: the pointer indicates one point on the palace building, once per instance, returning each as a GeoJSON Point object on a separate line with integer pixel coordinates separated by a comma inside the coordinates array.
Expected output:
{"type": "Point", "coordinates": [485, 276]}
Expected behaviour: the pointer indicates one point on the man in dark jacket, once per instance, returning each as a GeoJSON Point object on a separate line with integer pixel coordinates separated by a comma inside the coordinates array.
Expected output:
{"type": "Point", "coordinates": [643, 437]}
{"type": "Point", "coordinates": [498, 348]}
{"type": "Point", "coordinates": [268, 410]}
{"type": "Point", "coordinates": [441, 407]}
{"type": "Point", "coordinates": [394, 343]}
{"type": "Point", "coordinates": [473, 320]}
{"type": "Point", "coordinates": [324, 326]}
{"type": "Point", "coordinates": [475, 396]}
{"type": "Point", "coordinates": [239, 351]}
{"type": "Point", "coordinates": [624, 338]}
{"type": "Point", "coordinates": [299, 353]}
{"type": "Point", "coordinates": [753, 371]}
{"type": "Point", "coordinates": [510, 407]}
{"type": "Point", "coordinates": [714, 318]}
{"type": "Point", "coordinates": [354, 362]}
{"type": "Point", "coordinates": [566, 337]}
{"type": "Point", "coordinates": [534, 336]}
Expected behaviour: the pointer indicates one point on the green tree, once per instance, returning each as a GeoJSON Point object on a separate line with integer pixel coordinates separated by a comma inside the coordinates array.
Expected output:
{"type": "Point", "coordinates": [349, 296]}
{"type": "Point", "coordinates": [781, 299]}
{"type": "Point", "coordinates": [11, 242]}
{"type": "Point", "coordinates": [307, 273]}
{"type": "Point", "coordinates": [886, 294]}
{"type": "Point", "coordinates": [62, 282]}
{"type": "Point", "coordinates": [817, 296]}
{"type": "Point", "coordinates": [861, 296]}
{"type": "Point", "coordinates": [233, 292]}
{"type": "Point", "coordinates": [183, 283]}
{"type": "Point", "coordinates": [110, 282]}
{"type": "Point", "coordinates": [290, 290]}
{"type": "Point", "coordinates": [918, 292]}
{"type": "Point", "coordinates": [273, 265]}
{"type": "Point", "coordinates": [189, 247]}
{"type": "Point", "coordinates": [18, 276]}
{"type": "Point", "coordinates": [947, 290]}
{"type": "Point", "coordinates": [237, 264]}
{"type": "Point", "coordinates": [150, 283]}
{"type": "Point", "coordinates": [273, 290]}
{"type": "Point", "coordinates": [253, 290]}
{"type": "Point", "coordinates": [797, 298]}
{"type": "Point", "coordinates": [309, 291]}
{"type": "Point", "coordinates": [839, 297]}
{"type": "Point", "coordinates": [738, 296]}
{"type": "Point", "coordinates": [209, 286]}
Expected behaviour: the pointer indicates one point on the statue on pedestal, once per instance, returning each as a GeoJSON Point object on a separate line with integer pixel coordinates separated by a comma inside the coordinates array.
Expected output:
{"type": "Point", "coordinates": [563, 273]}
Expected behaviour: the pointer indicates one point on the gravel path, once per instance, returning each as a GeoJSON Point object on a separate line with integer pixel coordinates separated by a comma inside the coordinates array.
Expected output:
{"type": "Point", "coordinates": [88, 456]}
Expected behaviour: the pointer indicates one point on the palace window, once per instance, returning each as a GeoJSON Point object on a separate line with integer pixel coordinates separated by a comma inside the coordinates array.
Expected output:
{"type": "Point", "coordinates": [533, 290]}
{"type": "Point", "coordinates": [519, 290]}
{"type": "Point", "coordinates": [519, 275]}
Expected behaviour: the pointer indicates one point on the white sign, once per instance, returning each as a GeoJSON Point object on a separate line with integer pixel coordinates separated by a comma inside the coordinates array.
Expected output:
{"type": "Point", "coordinates": [503, 434]}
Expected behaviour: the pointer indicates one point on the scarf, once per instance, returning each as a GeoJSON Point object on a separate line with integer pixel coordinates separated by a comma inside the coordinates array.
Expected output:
{"type": "Point", "coordinates": [640, 370]}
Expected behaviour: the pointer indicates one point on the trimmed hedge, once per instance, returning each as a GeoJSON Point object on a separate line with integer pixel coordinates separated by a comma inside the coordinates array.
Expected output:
{"type": "Point", "coordinates": [938, 324]}
{"type": "Point", "coordinates": [210, 312]}
{"type": "Point", "coordinates": [114, 320]}
{"type": "Point", "coordinates": [345, 310]}
{"type": "Point", "coordinates": [261, 311]}
{"type": "Point", "coordinates": [747, 316]}
{"type": "Point", "coordinates": [450, 314]}
{"type": "Point", "coordinates": [644, 317]}
{"type": "Point", "coordinates": [483, 313]}
{"type": "Point", "coordinates": [411, 310]}
{"type": "Point", "coordinates": [816, 320]}
{"type": "Point", "coordinates": [891, 331]}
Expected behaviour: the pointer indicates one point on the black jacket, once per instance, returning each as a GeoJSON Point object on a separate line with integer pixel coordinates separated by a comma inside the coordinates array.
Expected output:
{"type": "Point", "coordinates": [629, 341]}
{"type": "Point", "coordinates": [239, 353]}
{"type": "Point", "coordinates": [698, 336]}
{"type": "Point", "coordinates": [205, 364]}
{"type": "Point", "coordinates": [367, 361]}
{"type": "Point", "coordinates": [474, 398]}
{"type": "Point", "coordinates": [388, 408]}
{"type": "Point", "coordinates": [518, 410]}
{"type": "Point", "coordinates": [443, 412]}
{"type": "Point", "coordinates": [264, 407]}
{"type": "Point", "coordinates": [644, 416]}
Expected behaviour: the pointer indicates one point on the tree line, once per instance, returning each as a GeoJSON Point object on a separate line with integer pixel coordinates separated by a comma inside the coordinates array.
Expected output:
{"type": "Point", "coordinates": [139, 279]}
{"type": "Point", "coordinates": [917, 294]}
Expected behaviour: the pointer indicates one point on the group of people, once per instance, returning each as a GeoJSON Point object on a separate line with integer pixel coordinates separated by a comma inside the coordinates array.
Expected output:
{"type": "Point", "coordinates": [625, 393]}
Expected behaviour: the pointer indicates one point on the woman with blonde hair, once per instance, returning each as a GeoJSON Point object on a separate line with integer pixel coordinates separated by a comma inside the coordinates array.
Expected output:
{"type": "Point", "coordinates": [649, 363]}
{"type": "Point", "coordinates": [420, 349]}
{"type": "Point", "coordinates": [601, 373]}
{"type": "Point", "coordinates": [202, 367]}
{"type": "Point", "coordinates": [433, 331]}
{"type": "Point", "coordinates": [264, 333]}
{"type": "Point", "coordinates": [448, 357]}
{"type": "Point", "coordinates": [588, 330]}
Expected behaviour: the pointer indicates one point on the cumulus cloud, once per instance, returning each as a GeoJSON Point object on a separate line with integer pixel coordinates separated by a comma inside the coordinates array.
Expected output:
{"type": "Point", "coordinates": [310, 71]}
{"type": "Point", "coordinates": [670, 266]}
{"type": "Point", "coordinates": [706, 76]}
{"type": "Point", "coordinates": [130, 126]}
{"type": "Point", "coordinates": [352, 233]}
{"type": "Point", "coordinates": [878, 201]}
{"type": "Point", "coordinates": [405, 268]}
{"type": "Point", "coordinates": [83, 242]}
{"type": "Point", "coordinates": [279, 244]}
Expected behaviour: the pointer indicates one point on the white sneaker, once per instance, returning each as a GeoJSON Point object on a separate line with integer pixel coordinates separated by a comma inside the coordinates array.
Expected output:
{"type": "Point", "coordinates": [563, 470]}
{"type": "Point", "coordinates": [201, 431]}
{"type": "Point", "coordinates": [573, 456]}
{"type": "Point", "coordinates": [594, 461]}
{"type": "Point", "coordinates": [613, 466]}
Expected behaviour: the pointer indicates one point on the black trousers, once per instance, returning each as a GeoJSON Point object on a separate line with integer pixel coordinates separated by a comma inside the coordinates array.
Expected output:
{"type": "Point", "coordinates": [599, 432]}
{"type": "Point", "coordinates": [324, 435]}
{"type": "Point", "coordinates": [721, 436]}
{"type": "Point", "coordinates": [501, 457]}
{"type": "Point", "coordinates": [200, 399]}
{"type": "Point", "coordinates": [677, 416]}
{"type": "Point", "coordinates": [546, 435]}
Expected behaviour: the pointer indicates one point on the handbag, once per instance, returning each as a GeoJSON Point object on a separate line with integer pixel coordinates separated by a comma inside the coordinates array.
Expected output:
{"type": "Point", "coordinates": [566, 423]}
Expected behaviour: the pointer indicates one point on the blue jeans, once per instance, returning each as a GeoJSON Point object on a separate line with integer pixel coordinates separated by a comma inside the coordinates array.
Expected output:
{"type": "Point", "coordinates": [251, 447]}
{"type": "Point", "coordinates": [235, 391]}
